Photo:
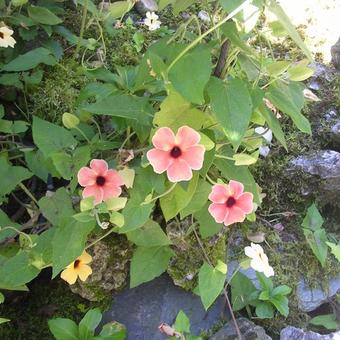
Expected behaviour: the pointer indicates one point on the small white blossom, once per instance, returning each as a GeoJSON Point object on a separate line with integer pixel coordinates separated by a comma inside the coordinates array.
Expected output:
{"type": "Point", "coordinates": [264, 150]}
{"type": "Point", "coordinates": [152, 21]}
{"type": "Point", "coordinates": [267, 134]}
{"type": "Point", "coordinates": [259, 260]}
{"type": "Point", "coordinates": [6, 38]}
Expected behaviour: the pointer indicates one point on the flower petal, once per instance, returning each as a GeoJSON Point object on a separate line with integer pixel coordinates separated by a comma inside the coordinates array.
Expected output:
{"type": "Point", "coordinates": [86, 176]}
{"type": "Point", "coordinates": [234, 215]}
{"type": "Point", "coordinates": [257, 265]}
{"type": "Point", "coordinates": [250, 252]}
{"type": "Point", "coordinates": [268, 271]}
{"type": "Point", "coordinates": [219, 193]}
{"type": "Point", "coordinates": [85, 258]}
{"type": "Point", "coordinates": [159, 159]}
{"type": "Point", "coordinates": [94, 191]}
{"type": "Point", "coordinates": [179, 170]}
{"type": "Point", "coordinates": [186, 137]}
{"type": "Point", "coordinates": [218, 211]}
{"type": "Point", "coordinates": [194, 156]}
{"type": "Point", "coordinates": [110, 191]}
{"type": "Point", "coordinates": [84, 272]}
{"type": "Point", "coordinates": [236, 188]}
{"type": "Point", "coordinates": [245, 202]}
{"type": "Point", "coordinates": [113, 177]}
{"type": "Point", "coordinates": [164, 139]}
{"type": "Point", "coordinates": [99, 166]}
{"type": "Point", "coordinates": [69, 275]}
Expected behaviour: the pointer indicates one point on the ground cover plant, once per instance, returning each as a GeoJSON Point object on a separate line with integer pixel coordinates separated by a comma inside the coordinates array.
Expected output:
{"type": "Point", "coordinates": [125, 150]}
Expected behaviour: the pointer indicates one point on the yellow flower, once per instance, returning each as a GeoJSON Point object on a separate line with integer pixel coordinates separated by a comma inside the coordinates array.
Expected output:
{"type": "Point", "coordinates": [78, 268]}
{"type": "Point", "coordinates": [6, 38]}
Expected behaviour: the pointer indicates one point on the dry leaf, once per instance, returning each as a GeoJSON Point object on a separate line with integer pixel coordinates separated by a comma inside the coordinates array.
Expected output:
{"type": "Point", "coordinates": [256, 237]}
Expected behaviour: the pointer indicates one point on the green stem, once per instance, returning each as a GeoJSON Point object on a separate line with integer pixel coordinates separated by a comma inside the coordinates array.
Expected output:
{"type": "Point", "coordinates": [161, 195]}
{"type": "Point", "coordinates": [201, 37]}
{"type": "Point", "coordinates": [224, 157]}
{"type": "Point", "coordinates": [82, 29]}
{"type": "Point", "coordinates": [100, 238]}
{"type": "Point", "coordinates": [82, 133]}
{"type": "Point", "coordinates": [28, 193]}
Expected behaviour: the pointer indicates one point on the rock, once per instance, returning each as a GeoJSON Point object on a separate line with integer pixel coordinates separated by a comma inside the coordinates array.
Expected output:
{"type": "Point", "coordinates": [250, 273]}
{"type": "Point", "coordinates": [335, 52]}
{"type": "Point", "coordinates": [293, 333]}
{"type": "Point", "coordinates": [144, 308]}
{"type": "Point", "coordinates": [143, 6]}
{"type": "Point", "coordinates": [330, 115]}
{"type": "Point", "coordinates": [204, 16]}
{"type": "Point", "coordinates": [248, 329]}
{"type": "Point", "coordinates": [314, 85]}
{"type": "Point", "coordinates": [326, 165]}
{"type": "Point", "coordinates": [311, 298]}
{"type": "Point", "coordinates": [109, 270]}
{"type": "Point", "coordinates": [335, 133]}
{"type": "Point", "coordinates": [322, 72]}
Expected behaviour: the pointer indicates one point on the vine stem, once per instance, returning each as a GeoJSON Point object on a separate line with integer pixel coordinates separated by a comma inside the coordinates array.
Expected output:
{"type": "Point", "coordinates": [82, 29]}
{"type": "Point", "coordinates": [239, 335]}
{"type": "Point", "coordinates": [99, 239]}
{"type": "Point", "coordinates": [28, 193]}
{"type": "Point", "coordinates": [161, 195]}
{"type": "Point", "coordinates": [212, 29]}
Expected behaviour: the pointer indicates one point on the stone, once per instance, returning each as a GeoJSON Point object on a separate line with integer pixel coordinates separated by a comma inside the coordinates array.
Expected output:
{"type": "Point", "coordinates": [325, 164]}
{"type": "Point", "coordinates": [311, 298]}
{"type": "Point", "coordinates": [293, 333]}
{"type": "Point", "coordinates": [335, 133]}
{"type": "Point", "coordinates": [248, 329]}
{"type": "Point", "coordinates": [144, 308]}
{"type": "Point", "coordinates": [250, 273]}
{"type": "Point", "coordinates": [204, 16]}
{"type": "Point", "coordinates": [143, 6]}
{"type": "Point", "coordinates": [322, 72]}
{"type": "Point", "coordinates": [335, 52]}
{"type": "Point", "coordinates": [110, 267]}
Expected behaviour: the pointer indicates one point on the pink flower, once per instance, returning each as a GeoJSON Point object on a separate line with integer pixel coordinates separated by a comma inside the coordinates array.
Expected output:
{"type": "Point", "coordinates": [230, 203]}
{"type": "Point", "coordinates": [99, 181]}
{"type": "Point", "coordinates": [177, 155]}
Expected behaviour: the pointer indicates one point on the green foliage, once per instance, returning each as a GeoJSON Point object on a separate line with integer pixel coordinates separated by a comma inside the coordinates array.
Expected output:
{"type": "Point", "coordinates": [327, 321]}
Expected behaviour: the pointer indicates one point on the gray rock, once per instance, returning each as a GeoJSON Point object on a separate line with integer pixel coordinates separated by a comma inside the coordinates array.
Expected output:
{"type": "Point", "coordinates": [330, 115]}
{"type": "Point", "coordinates": [250, 273]}
{"type": "Point", "coordinates": [293, 333]}
{"type": "Point", "coordinates": [314, 85]}
{"type": "Point", "coordinates": [204, 16]}
{"type": "Point", "coordinates": [311, 298]}
{"type": "Point", "coordinates": [322, 72]}
{"type": "Point", "coordinates": [325, 165]}
{"type": "Point", "coordinates": [335, 52]}
{"type": "Point", "coordinates": [335, 133]}
{"type": "Point", "coordinates": [144, 308]}
{"type": "Point", "coordinates": [249, 330]}
{"type": "Point", "coordinates": [143, 6]}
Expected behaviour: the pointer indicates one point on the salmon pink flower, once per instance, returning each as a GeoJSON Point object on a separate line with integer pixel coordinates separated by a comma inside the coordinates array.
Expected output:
{"type": "Point", "coordinates": [259, 260]}
{"type": "Point", "coordinates": [77, 268]}
{"type": "Point", "coordinates": [230, 203]}
{"type": "Point", "coordinates": [99, 181]}
{"type": "Point", "coordinates": [177, 155]}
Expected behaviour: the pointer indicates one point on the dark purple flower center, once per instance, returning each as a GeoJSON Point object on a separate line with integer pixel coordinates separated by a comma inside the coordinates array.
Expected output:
{"type": "Point", "coordinates": [76, 264]}
{"type": "Point", "coordinates": [2, 36]}
{"type": "Point", "coordinates": [100, 180]}
{"type": "Point", "coordinates": [230, 202]}
{"type": "Point", "coordinates": [175, 152]}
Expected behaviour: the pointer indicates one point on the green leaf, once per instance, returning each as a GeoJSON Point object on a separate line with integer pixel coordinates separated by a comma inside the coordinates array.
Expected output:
{"type": "Point", "coordinates": [232, 105]}
{"type": "Point", "coordinates": [313, 220]}
{"type": "Point", "coordinates": [335, 249]}
{"type": "Point", "coordinates": [284, 20]}
{"type": "Point", "coordinates": [11, 176]}
{"type": "Point", "coordinates": [245, 159]}
{"type": "Point", "coordinates": [211, 282]}
{"type": "Point", "coordinates": [290, 100]}
{"type": "Point", "coordinates": [300, 73]}
{"type": "Point", "coordinates": [281, 290]}
{"type": "Point", "coordinates": [51, 138]}
{"type": "Point", "coordinates": [71, 235]}
{"type": "Point", "coordinates": [148, 263]}
{"type": "Point", "coordinates": [178, 198]}
{"type": "Point", "coordinates": [281, 304]}
{"type": "Point", "coordinates": [207, 225]}
{"type": "Point", "coordinates": [273, 124]}
{"type": "Point", "coordinates": [265, 282]}
{"type": "Point", "coordinates": [38, 164]}
{"type": "Point", "coordinates": [17, 270]}
{"type": "Point", "coordinates": [175, 111]}
{"type": "Point", "coordinates": [63, 329]}
{"type": "Point", "coordinates": [89, 323]}
{"type": "Point", "coordinates": [119, 8]}
{"type": "Point", "coordinates": [328, 321]}
{"type": "Point", "coordinates": [42, 15]}
{"type": "Point", "coordinates": [265, 295]}
{"type": "Point", "coordinates": [199, 198]}
{"type": "Point", "coordinates": [264, 310]}
{"type": "Point", "coordinates": [3, 320]}
{"type": "Point", "coordinates": [277, 67]}
{"type": "Point", "coordinates": [242, 290]}
{"type": "Point", "coordinates": [182, 323]}
{"type": "Point", "coordinates": [11, 79]}
{"type": "Point", "coordinates": [238, 173]}
{"type": "Point", "coordinates": [70, 121]}
{"type": "Point", "coordinates": [123, 105]}
{"type": "Point", "coordinates": [31, 60]}
{"type": "Point", "coordinates": [317, 241]}
{"type": "Point", "coordinates": [41, 254]}
{"type": "Point", "coordinates": [149, 235]}
{"type": "Point", "coordinates": [191, 73]}
{"type": "Point", "coordinates": [57, 207]}
{"type": "Point", "coordinates": [113, 331]}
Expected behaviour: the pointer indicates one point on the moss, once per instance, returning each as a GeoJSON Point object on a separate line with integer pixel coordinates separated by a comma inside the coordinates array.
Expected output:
{"type": "Point", "coordinates": [189, 257]}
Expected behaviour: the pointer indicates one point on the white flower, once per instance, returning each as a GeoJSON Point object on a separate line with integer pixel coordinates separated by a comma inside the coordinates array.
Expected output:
{"type": "Point", "coordinates": [267, 134]}
{"type": "Point", "coordinates": [264, 150]}
{"type": "Point", "coordinates": [6, 37]}
{"type": "Point", "coordinates": [259, 260]}
{"type": "Point", "coordinates": [152, 21]}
